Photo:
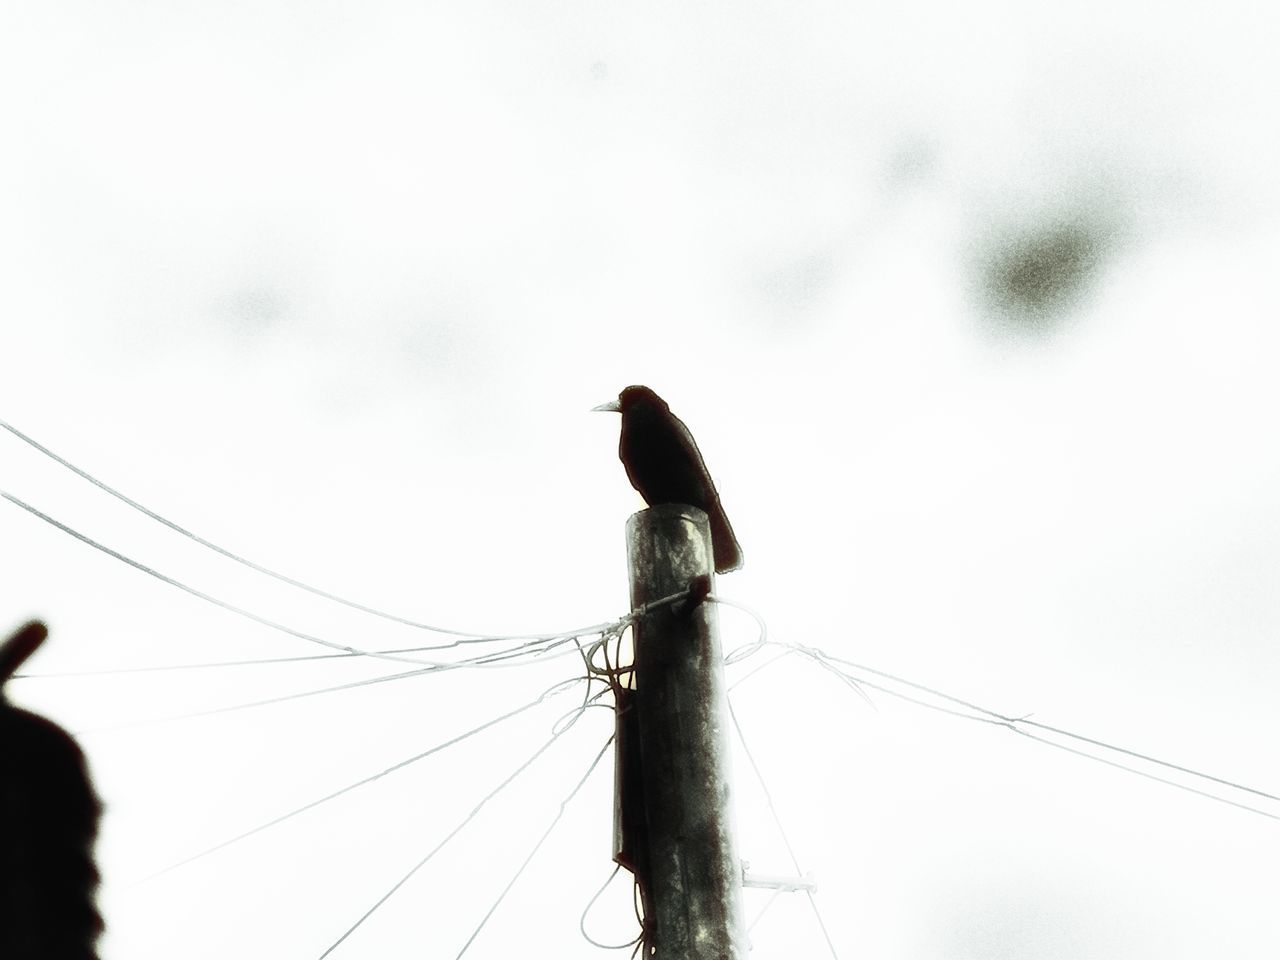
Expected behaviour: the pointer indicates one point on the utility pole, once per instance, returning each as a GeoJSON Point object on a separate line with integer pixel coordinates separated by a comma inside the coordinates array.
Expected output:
{"type": "Point", "coordinates": [673, 826]}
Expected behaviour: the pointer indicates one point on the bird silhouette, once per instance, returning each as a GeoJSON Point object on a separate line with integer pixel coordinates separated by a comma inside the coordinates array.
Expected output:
{"type": "Point", "coordinates": [48, 821]}
{"type": "Point", "coordinates": [663, 463]}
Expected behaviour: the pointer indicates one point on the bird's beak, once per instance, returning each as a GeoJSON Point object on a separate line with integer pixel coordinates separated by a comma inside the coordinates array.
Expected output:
{"type": "Point", "coordinates": [611, 407]}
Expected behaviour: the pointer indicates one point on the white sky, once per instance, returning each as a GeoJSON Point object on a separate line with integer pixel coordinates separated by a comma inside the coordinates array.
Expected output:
{"type": "Point", "coordinates": [335, 285]}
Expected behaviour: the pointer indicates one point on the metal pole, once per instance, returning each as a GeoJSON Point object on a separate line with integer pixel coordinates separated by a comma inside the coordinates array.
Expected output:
{"type": "Point", "coordinates": [694, 876]}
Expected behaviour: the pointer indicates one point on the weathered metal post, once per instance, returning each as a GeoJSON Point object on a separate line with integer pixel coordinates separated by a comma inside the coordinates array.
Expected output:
{"type": "Point", "coordinates": [694, 877]}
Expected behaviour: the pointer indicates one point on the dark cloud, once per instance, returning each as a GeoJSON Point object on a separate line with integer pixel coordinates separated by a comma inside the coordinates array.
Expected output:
{"type": "Point", "coordinates": [1033, 274]}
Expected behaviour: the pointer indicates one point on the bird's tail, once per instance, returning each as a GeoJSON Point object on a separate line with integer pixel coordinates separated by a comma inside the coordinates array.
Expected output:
{"type": "Point", "coordinates": [728, 553]}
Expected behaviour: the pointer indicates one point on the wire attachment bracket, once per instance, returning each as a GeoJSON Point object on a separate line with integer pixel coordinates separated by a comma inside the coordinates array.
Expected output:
{"type": "Point", "coordinates": [781, 884]}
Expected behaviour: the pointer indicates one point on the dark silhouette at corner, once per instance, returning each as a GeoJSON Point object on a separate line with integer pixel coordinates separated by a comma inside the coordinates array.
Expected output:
{"type": "Point", "coordinates": [664, 464]}
{"type": "Point", "coordinates": [48, 823]}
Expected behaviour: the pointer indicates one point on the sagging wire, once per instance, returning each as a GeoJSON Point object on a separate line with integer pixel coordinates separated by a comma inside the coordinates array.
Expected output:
{"type": "Point", "coordinates": [286, 698]}
{"type": "Point", "coordinates": [611, 675]}
{"type": "Point", "coordinates": [967, 710]}
{"type": "Point", "coordinates": [458, 829]}
{"type": "Point", "coordinates": [588, 654]}
{"type": "Point", "coordinates": [582, 921]}
{"type": "Point", "coordinates": [741, 653]}
{"type": "Point", "coordinates": [264, 621]}
{"type": "Point", "coordinates": [532, 649]}
{"type": "Point", "coordinates": [762, 640]}
{"type": "Point", "coordinates": [747, 649]}
{"type": "Point", "coordinates": [613, 672]}
{"type": "Point", "coordinates": [301, 635]}
{"type": "Point", "coordinates": [213, 664]}
{"type": "Point", "coordinates": [567, 720]}
{"type": "Point", "coordinates": [537, 846]}
{"type": "Point", "coordinates": [553, 691]}
{"type": "Point", "coordinates": [638, 906]}
{"type": "Point", "coordinates": [464, 635]}
{"type": "Point", "coordinates": [517, 656]}
{"type": "Point", "coordinates": [1016, 724]}
{"type": "Point", "coordinates": [782, 832]}
{"type": "Point", "coordinates": [1026, 721]}
{"type": "Point", "coordinates": [534, 645]}
{"type": "Point", "coordinates": [614, 634]}
{"type": "Point", "coordinates": [469, 637]}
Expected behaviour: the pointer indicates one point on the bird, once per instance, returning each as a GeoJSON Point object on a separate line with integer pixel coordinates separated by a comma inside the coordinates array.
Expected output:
{"type": "Point", "coordinates": [49, 816]}
{"type": "Point", "coordinates": [664, 464]}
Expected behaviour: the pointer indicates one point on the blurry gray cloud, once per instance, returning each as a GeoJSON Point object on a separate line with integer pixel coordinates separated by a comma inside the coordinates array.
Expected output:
{"type": "Point", "coordinates": [911, 160]}
{"type": "Point", "coordinates": [1031, 275]}
{"type": "Point", "coordinates": [800, 281]}
{"type": "Point", "coordinates": [255, 308]}
{"type": "Point", "coordinates": [1012, 925]}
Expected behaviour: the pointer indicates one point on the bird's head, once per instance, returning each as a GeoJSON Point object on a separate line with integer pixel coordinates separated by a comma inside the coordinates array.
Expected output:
{"type": "Point", "coordinates": [634, 396]}
{"type": "Point", "coordinates": [15, 650]}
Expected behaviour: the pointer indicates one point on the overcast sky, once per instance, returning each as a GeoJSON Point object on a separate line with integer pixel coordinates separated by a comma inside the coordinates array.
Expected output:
{"type": "Point", "coordinates": [972, 309]}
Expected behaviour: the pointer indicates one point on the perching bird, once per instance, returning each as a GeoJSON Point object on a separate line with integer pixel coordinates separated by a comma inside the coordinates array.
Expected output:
{"type": "Point", "coordinates": [664, 464]}
{"type": "Point", "coordinates": [48, 821]}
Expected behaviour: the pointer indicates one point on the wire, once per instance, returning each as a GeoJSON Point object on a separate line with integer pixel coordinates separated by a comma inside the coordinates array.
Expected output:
{"type": "Point", "coordinates": [1015, 722]}
{"type": "Point", "coordinates": [756, 669]}
{"type": "Point", "coordinates": [540, 641]}
{"type": "Point", "coordinates": [452, 833]}
{"type": "Point", "coordinates": [467, 635]}
{"type": "Point", "coordinates": [1141, 756]}
{"type": "Point", "coordinates": [421, 671]}
{"type": "Point", "coordinates": [763, 910]}
{"type": "Point", "coordinates": [982, 714]}
{"type": "Point", "coordinates": [481, 660]}
{"type": "Point", "coordinates": [311, 638]}
{"type": "Point", "coordinates": [537, 846]}
{"type": "Point", "coordinates": [762, 640]}
{"type": "Point", "coordinates": [552, 691]}
{"type": "Point", "coordinates": [741, 653]}
{"type": "Point", "coordinates": [773, 811]}
{"type": "Point", "coordinates": [582, 920]}
{"type": "Point", "coordinates": [1152, 776]}
{"type": "Point", "coordinates": [174, 667]}
{"type": "Point", "coordinates": [189, 589]}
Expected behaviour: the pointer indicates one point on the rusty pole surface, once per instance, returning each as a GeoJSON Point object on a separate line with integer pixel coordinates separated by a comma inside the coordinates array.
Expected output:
{"type": "Point", "coordinates": [694, 875]}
